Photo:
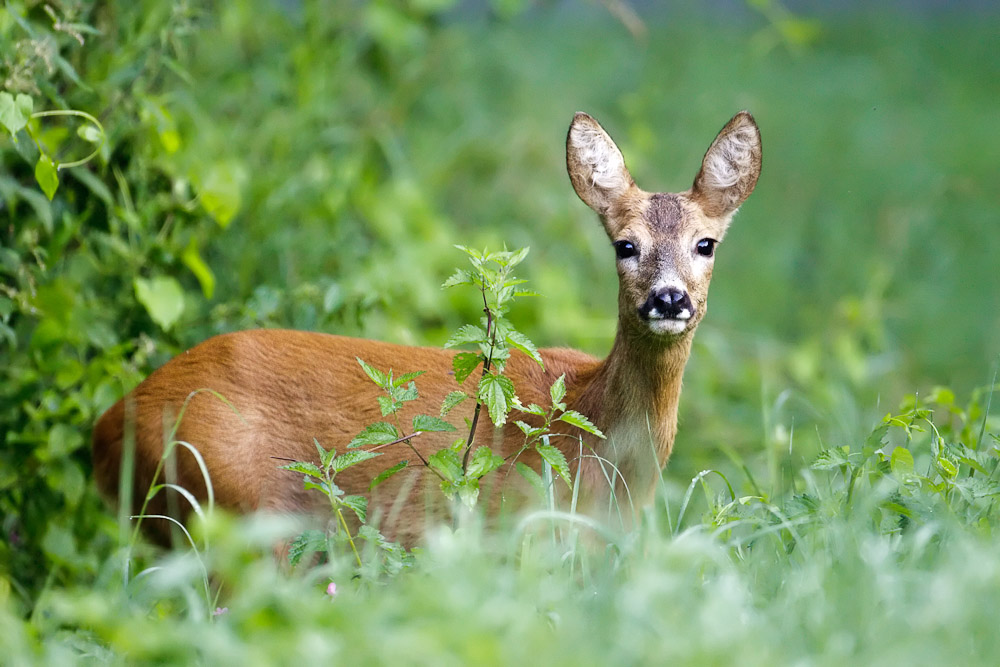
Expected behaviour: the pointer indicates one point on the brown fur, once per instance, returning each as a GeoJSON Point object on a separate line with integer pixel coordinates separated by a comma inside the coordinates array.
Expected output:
{"type": "Point", "coordinates": [290, 387]}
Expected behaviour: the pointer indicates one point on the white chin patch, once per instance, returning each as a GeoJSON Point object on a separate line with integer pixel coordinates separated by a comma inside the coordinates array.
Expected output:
{"type": "Point", "coordinates": [668, 326]}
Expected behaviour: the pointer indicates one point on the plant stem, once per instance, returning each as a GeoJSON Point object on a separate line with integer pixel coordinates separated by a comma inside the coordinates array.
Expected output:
{"type": "Point", "coordinates": [347, 531]}
{"type": "Point", "coordinates": [492, 332]}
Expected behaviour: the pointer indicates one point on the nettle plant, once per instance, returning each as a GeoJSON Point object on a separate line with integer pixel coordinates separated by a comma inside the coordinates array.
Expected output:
{"type": "Point", "coordinates": [461, 466]}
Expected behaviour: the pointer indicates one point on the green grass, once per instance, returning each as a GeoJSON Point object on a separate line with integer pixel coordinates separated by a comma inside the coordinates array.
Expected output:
{"type": "Point", "coordinates": [858, 280]}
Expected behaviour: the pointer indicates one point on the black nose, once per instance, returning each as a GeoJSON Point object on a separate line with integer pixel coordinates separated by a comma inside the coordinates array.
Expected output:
{"type": "Point", "coordinates": [667, 303]}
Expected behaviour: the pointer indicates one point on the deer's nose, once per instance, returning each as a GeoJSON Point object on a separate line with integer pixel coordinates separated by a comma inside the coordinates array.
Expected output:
{"type": "Point", "coordinates": [667, 303]}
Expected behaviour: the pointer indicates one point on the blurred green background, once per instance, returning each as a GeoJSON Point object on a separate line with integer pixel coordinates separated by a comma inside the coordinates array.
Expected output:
{"type": "Point", "coordinates": [310, 165]}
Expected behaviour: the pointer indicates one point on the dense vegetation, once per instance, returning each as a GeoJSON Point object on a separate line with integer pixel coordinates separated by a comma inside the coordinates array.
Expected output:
{"type": "Point", "coordinates": [311, 165]}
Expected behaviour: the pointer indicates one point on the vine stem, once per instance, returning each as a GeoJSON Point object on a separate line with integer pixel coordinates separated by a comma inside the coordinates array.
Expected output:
{"type": "Point", "coordinates": [492, 332]}
{"type": "Point", "coordinates": [72, 112]}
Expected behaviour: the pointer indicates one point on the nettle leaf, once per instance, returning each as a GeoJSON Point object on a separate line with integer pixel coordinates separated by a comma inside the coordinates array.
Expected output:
{"type": "Point", "coordinates": [533, 409]}
{"type": "Point", "coordinates": [521, 342]}
{"type": "Point", "coordinates": [349, 459]}
{"type": "Point", "coordinates": [407, 377]}
{"type": "Point", "coordinates": [468, 333]}
{"type": "Point", "coordinates": [386, 405]}
{"type": "Point", "coordinates": [379, 433]}
{"type": "Point", "coordinates": [830, 459]}
{"type": "Point", "coordinates": [576, 419]}
{"type": "Point", "coordinates": [377, 376]}
{"type": "Point", "coordinates": [427, 423]}
{"type": "Point", "coordinates": [387, 473]}
{"type": "Point", "coordinates": [463, 364]}
{"type": "Point", "coordinates": [308, 542]}
{"type": "Point", "coordinates": [556, 459]}
{"type": "Point", "coordinates": [528, 430]}
{"type": "Point", "coordinates": [357, 503]}
{"type": "Point", "coordinates": [331, 490]}
{"type": "Point", "coordinates": [15, 112]}
{"type": "Point", "coordinates": [468, 492]}
{"type": "Point", "coordinates": [483, 462]}
{"type": "Point", "coordinates": [325, 455]}
{"type": "Point", "coordinates": [533, 478]}
{"type": "Point", "coordinates": [305, 468]}
{"type": "Point", "coordinates": [404, 395]}
{"type": "Point", "coordinates": [496, 392]}
{"type": "Point", "coordinates": [460, 277]}
{"type": "Point", "coordinates": [452, 400]}
{"type": "Point", "coordinates": [47, 175]}
{"type": "Point", "coordinates": [163, 298]}
{"type": "Point", "coordinates": [448, 463]}
{"type": "Point", "coordinates": [558, 389]}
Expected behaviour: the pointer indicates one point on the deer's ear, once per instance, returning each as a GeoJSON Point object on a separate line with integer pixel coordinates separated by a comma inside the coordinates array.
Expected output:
{"type": "Point", "coordinates": [596, 166]}
{"type": "Point", "coordinates": [730, 168]}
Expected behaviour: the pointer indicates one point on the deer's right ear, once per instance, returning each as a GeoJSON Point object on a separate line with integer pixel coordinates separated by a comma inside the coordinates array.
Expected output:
{"type": "Point", "coordinates": [596, 166]}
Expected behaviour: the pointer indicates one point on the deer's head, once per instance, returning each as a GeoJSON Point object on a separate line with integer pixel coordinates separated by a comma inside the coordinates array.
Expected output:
{"type": "Point", "coordinates": [665, 243]}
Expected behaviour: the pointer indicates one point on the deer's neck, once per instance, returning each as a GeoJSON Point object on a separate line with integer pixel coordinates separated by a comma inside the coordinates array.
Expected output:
{"type": "Point", "coordinates": [633, 397]}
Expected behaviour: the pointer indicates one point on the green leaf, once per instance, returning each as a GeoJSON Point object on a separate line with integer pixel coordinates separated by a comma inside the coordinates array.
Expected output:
{"type": "Point", "coordinates": [357, 503]}
{"type": "Point", "coordinates": [483, 462]}
{"type": "Point", "coordinates": [325, 455]}
{"type": "Point", "coordinates": [521, 342]}
{"type": "Point", "coordinates": [830, 459]}
{"type": "Point", "coordinates": [348, 459]}
{"type": "Point", "coordinates": [407, 377]}
{"type": "Point", "coordinates": [529, 431]}
{"type": "Point", "coordinates": [15, 112]}
{"type": "Point", "coordinates": [162, 297]}
{"type": "Point", "coordinates": [47, 175]}
{"type": "Point", "coordinates": [89, 133]}
{"type": "Point", "coordinates": [451, 400]}
{"type": "Point", "coordinates": [468, 333]}
{"type": "Point", "coordinates": [427, 424]}
{"type": "Point", "coordinates": [576, 419]}
{"type": "Point", "coordinates": [387, 405]}
{"type": "Point", "coordinates": [448, 463]}
{"type": "Point", "coordinates": [460, 277]}
{"type": "Point", "coordinates": [556, 459]}
{"type": "Point", "coordinates": [404, 395]}
{"type": "Point", "coordinates": [308, 542]}
{"type": "Point", "coordinates": [219, 191]}
{"type": "Point", "coordinates": [496, 392]}
{"type": "Point", "coordinates": [946, 467]}
{"type": "Point", "coordinates": [901, 461]}
{"type": "Point", "coordinates": [192, 259]}
{"type": "Point", "coordinates": [305, 468]}
{"type": "Point", "coordinates": [558, 389]}
{"type": "Point", "coordinates": [379, 433]}
{"type": "Point", "coordinates": [533, 478]}
{"type": "Point", "coordinates": [387, 473]}
{"type": "Point", "coordinates": [377, 376]}
{"type": "Point", "coordinates": [463, 364]}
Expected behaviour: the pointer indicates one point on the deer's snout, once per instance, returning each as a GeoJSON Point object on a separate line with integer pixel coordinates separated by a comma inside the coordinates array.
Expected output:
{"type": "Point", "coordinates": [667, 303]}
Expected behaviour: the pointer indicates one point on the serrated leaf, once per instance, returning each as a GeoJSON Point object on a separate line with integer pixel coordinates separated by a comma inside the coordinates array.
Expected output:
{"type": "Point", "coordinates": [576, 419]}
{"type": "Point", "coordinates": [308, 542]}
{"type": "Point", "coordinates": [468, 492]}
{"type": "Point", "coordinates": [451, 400]}
{"type": "Point", "coordinates": [348, 459]}
{"type": "Point", "coordinates": [331, 490]}
{"type": "Point", "coordinates": [558, 389]}
{"type": "Point", "coordinates": [483, 462]}
{"type": "Point", "coordinates": [533, 478]}
{"type": "Point", "coordinates": [556, 459]}
{"type": "Point", "coordinates": [379, 433]}
{"type": "Point", "coordinates": [532, 409]}
{"type": "Point", "coordinates": [496, 392]}
{"type": "Point", "coordinates": [876, 438]}
{"type": "Point", "coordinates": [386, 405]}
{"type": "Point", "coordinates": [303, 467]}
{"type": "Point", "coordinates": [387, 473]}
{"type": "Point", "coordinates": [463, 364]}
{"type": "Point", "coordinates": [15, 112]}
{"type": "Point", "coordinates": [530, 432]}
{"type": "Point", "coordinates": [406, 377]}
{"type": "Point", "coordinates": [448, 463]}
{"type": "Point", "coordinates": [377, 376]}
{"type": "Point", "coordinates": [357, 503]}
{"type": "Point", "coordinates": [468, 333]}
{"type": "Point", "coordinates": [429, 424]}
{"type": "Point", "coordinates": [163, 298]}
{"type": "Point", "coordinates": [325, 455]}
{"type": "Point", "coordinates": [518, 340]}
{"type": "Point", "coordinates": [460, 277]}
{"type": "Point", "coordinates": [408, 394]}
{"type": "Point", "coordinates": [829, 459]}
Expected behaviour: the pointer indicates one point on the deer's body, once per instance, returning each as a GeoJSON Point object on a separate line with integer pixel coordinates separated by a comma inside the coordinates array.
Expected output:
{"type": "Point", "coordinates": [291, 387]}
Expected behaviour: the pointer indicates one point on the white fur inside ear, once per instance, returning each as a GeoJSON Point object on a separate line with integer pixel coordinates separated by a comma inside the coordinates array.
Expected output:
{"type": "Point", "coordinates": [730, 159]}
{"type": "Point", "coordinates": [595, 151]}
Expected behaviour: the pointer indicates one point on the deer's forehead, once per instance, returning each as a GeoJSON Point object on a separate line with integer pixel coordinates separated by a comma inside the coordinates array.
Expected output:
{"type": "Point", "coordinates": [660, 218]}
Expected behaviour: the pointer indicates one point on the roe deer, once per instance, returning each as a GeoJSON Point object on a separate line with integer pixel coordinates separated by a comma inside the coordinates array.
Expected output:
{"type": "Point", "coordinates": [290, 387]}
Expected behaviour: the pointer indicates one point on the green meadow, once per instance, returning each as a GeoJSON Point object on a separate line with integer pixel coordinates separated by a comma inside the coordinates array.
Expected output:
{"type": "Point", "coordinates": [832, 496]}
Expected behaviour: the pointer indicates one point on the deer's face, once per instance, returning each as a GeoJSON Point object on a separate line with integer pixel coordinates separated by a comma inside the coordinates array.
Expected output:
{"type": "Point", "coordinates": [664, 244]}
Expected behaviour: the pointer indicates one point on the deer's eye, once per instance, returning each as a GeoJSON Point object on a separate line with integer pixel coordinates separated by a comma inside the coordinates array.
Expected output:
{"type": "Point", "coordinates": [706, 247]}
{"type": "Point", "coordinates": [625, 249]}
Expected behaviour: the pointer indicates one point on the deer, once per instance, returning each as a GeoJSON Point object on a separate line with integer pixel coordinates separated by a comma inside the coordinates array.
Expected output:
{"type": "Point", "coordinates": [283, 389]}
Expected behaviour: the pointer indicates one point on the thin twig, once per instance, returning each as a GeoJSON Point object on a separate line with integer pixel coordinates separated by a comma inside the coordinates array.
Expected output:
{"type": "Point", "coordinates": [486, 369]}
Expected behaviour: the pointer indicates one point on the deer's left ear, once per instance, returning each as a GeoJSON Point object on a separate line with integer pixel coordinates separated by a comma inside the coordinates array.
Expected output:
{"type": "Point", "coordinates": [730, 168]}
